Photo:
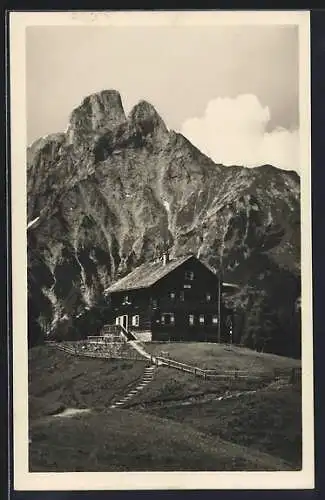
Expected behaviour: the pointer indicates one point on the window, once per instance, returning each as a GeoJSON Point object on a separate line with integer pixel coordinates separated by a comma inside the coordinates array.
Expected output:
{"type": "Point", "coordinates": [187, 286]}
{"type": "Point", "coordinates": [154, 303]}
{"type": "Point", "coordinates": [172, 295]}
{"type": "Point", "coordinates": [168, 319]}
{"type": "Point", "coordinates": [201, 319]}
{"type": "Point", "coordinates": [182, 296]}
{"type": "Point", "coordinates": [191, 319]}
{"type": "Point", "coordinates": [126, 300]}
{"type": "Point", "coordinates": [135, 320]}
{"type": "Point", "coordinates": [208, 297]}
{"type": "Point", "coordinates": [214, 319]}
{"type": "Point", "coordinates": [189, 275]}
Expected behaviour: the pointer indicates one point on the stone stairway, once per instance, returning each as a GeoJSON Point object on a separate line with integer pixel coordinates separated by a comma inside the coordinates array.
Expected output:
{"type": "Point", "coordinates": [146, 379]}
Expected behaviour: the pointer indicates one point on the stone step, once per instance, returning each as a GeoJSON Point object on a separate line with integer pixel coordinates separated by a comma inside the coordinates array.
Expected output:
{"type": "Point", "coordinates": [146, 379]}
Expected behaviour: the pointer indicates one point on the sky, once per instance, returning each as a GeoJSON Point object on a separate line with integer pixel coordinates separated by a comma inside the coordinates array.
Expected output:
{"type": "Point", "coordinates": [231, 90]}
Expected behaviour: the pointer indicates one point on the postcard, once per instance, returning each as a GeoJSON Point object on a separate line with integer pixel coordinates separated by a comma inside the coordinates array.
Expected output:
{"type": "Point", "coordinates": [161, 250]}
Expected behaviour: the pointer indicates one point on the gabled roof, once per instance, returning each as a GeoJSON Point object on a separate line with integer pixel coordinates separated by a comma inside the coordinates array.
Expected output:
{"type": "Point", "coordinates": [147, 274]}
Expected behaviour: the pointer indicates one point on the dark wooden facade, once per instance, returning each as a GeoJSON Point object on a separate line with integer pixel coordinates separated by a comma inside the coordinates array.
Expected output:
{"type": "Point", "coordinates": [183, 305]}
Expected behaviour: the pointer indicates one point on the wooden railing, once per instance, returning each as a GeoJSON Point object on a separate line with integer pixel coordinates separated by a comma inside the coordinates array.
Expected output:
{"type": "Point", "coordinates": [76, 348]}
{"type": "Point", "coordinates": [110, 330]}
{"type": "Point", "coordinates": [293, 374]}
{"type": "Point", "coordinates": [127, 334]}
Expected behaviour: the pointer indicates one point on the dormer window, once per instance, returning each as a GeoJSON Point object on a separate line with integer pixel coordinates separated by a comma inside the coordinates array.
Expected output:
{"type": "Point", "coordinates": [126, 300]}
{"type": "Point", "coordinates": [189, 275]}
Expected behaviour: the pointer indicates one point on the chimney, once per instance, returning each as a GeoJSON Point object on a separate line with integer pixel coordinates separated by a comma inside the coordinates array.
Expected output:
{"type": "Point", "coordinates": [165, 257]}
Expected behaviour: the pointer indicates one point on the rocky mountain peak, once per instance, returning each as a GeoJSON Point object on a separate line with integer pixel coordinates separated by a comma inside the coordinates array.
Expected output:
{"type": "Point", "coordinates": [145, 115]}
{"type": "Point", "coordinates": [98, 112]}
{"type": "Point", "coordinates": [143, 110]}
{"type": "Point", "coordinates": [110, 190]}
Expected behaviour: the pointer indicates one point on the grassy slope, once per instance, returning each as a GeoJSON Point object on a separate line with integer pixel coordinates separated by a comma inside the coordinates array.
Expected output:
{"type": "Point", "coordinates": [170, 385]}
{"type": "Point", "coordinates": [128, 440]}
{"type": "Point", "coordinates": [222, 357]}
{"type": "Point", "coordinates": [58, 380]}
{"type": "Point", "coordinates": [268, 420]}
{"type": "Point", "coordinates": [158, 432]}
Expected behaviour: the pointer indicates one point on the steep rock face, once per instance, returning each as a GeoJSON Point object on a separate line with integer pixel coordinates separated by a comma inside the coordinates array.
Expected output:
{"type": "Point", "coordinates": [110, 191]}
{"type": "Point", "coordinates": [97, 113]}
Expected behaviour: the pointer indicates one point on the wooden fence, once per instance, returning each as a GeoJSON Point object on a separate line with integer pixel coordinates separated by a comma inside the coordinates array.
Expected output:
{"type": "Point", "coordinates": [129, 353]}
{"type": "Point", "coordinates": [293, 374]}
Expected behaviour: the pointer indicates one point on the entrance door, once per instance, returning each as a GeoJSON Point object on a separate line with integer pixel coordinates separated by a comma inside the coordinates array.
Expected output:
{"type": "Point", "coordinates": [125, 322]}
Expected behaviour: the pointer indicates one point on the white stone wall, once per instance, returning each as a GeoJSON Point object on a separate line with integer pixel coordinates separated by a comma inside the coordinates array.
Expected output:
{"type": "Point", "coordinates": [143, 335]}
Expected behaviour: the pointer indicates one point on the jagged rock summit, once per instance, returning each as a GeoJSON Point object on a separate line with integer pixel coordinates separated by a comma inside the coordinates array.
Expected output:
{"type": "Point", "coordinates": [96, 113]}
{"type": "Point", "coordinates": [112, 189]}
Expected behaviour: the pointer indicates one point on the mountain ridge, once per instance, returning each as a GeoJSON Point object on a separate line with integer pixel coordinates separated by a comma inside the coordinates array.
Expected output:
{"type": "Point", "coordinates": [111, 190]}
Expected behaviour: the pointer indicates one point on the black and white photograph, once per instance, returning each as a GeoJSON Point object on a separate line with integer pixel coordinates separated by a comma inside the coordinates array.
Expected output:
{"type": "Point", "coordinates": [162, 300]}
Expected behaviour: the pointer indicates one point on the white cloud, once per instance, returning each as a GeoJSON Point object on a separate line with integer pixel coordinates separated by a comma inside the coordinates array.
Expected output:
{"type": "Point", "coordinates": [233, 132]}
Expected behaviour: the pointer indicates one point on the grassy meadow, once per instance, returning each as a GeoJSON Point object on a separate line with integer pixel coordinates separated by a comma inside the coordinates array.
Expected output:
{"type": "Point", "coordinates": [175, 423]}
{"type": "Point", "coordinates": [222, 357]}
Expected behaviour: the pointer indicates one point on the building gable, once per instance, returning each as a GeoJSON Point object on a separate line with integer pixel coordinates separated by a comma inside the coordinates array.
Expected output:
{"type": "Point", "coordinates": [188, 274]}
{"type": "Point", "coordinates": [148, 274]}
